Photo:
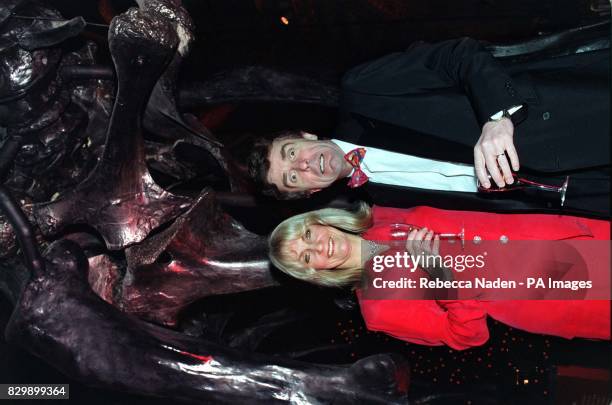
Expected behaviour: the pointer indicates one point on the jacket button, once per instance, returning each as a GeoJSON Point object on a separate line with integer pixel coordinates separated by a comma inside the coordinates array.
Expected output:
{"type": "Point", "coordinates": [504, 239]}
{"type": "Point", "coordinates": [477, 239]}
{"type": "Point", "coordinates": [546, 116]}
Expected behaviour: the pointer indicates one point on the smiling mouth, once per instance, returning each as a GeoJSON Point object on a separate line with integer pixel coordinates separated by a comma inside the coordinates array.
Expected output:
{"type": "Point", "coordinates": [330, 247]}
{"type": "Point", "coordinates": [322, 164]}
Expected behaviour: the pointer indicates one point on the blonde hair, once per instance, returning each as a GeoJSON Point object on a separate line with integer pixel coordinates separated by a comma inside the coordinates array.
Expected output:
{"type": "Point", "coordinates": [355, 221]}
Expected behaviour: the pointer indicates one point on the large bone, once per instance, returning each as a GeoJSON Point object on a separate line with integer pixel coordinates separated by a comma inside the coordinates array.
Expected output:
{"type": "Point", "coordinates": [205, 252]}
{"type": "Point", "coordinates": [90, 341]}
{"type": "Point", "coordinates": [119, 198]}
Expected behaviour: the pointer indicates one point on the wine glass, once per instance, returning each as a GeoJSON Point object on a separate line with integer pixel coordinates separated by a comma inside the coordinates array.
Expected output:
{"type": "Point", "coordinates": [524, 183]}
{"type": "Point", "coordinates": [401, 231]}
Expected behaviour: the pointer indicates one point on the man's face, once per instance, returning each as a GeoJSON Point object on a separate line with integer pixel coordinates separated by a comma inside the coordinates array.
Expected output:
{"type": "Point", "coordinates": [305, 164]}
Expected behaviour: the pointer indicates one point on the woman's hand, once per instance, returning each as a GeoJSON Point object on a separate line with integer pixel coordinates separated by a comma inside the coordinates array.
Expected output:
{"type": "Point", "coordinates": [419, 244]}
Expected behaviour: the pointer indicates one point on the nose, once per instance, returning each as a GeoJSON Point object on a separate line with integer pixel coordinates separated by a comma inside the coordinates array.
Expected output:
{"type": "Point", "coordinates": [316, 245]}
{"type": "Point", "coordinates": [304, 165]}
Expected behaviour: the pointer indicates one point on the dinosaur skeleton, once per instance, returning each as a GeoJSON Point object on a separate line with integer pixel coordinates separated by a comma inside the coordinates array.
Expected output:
{"type": "Point", "coordinates": [76, 182]}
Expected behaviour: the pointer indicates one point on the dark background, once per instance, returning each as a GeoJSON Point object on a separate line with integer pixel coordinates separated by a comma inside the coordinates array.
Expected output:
{"type": "Point", "coordinates": [322, 39]}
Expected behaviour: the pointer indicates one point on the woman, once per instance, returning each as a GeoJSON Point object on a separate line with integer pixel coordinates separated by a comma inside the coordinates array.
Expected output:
{"type": "Point", "coordinates": [325, 247]}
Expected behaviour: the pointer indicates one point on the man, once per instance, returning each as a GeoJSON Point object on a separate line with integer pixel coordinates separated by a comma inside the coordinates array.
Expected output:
{"type": "Point", "coordinates": [419, 113]}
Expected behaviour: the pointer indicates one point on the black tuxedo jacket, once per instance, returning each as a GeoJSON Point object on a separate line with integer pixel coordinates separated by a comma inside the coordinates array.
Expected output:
{"type": "Point", "coordinates": [433, 99]}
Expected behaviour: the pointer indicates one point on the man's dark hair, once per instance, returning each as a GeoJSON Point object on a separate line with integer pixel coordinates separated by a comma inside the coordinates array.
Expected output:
{"type": "Point", "coordinates": [258, 164]}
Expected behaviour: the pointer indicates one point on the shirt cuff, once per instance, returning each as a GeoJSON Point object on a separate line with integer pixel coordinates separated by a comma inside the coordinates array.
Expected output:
{"type": "Point", "coordinates": [497, 116]}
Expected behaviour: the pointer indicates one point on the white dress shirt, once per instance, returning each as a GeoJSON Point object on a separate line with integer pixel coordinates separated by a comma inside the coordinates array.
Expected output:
{"type": "Point", "coordinates": [398, 169]}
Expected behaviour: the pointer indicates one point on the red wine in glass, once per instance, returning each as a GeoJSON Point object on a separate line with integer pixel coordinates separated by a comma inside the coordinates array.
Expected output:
{"type": "Point", "coordinates": [524, 183]}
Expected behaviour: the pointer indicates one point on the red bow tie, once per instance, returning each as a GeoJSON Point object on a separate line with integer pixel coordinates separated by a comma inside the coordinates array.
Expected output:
{"type": "Point", "coordinates": [355, 157]}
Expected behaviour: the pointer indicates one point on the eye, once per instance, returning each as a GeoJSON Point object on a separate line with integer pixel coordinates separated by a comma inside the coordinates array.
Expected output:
{"type": "Point", "coordinates": [291, 154]}
{"type": "Point", "coordinates": [293, 177]}
{"type": "Point", "coordinates": [307, 234]}
{"type": "Point", "coordinates": [307, 258]}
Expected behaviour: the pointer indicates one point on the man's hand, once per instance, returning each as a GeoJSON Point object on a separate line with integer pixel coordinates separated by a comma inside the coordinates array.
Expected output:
{"type": "Point", "coordinates": [496, 141]}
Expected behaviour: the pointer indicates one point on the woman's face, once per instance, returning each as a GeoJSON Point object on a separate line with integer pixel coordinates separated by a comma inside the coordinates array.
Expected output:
{"type": "Point", "coordinates": [321, 247]}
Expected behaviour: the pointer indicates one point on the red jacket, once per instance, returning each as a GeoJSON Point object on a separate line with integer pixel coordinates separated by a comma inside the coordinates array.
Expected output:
{"type": "Point", "coordinates": [461, 324]}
